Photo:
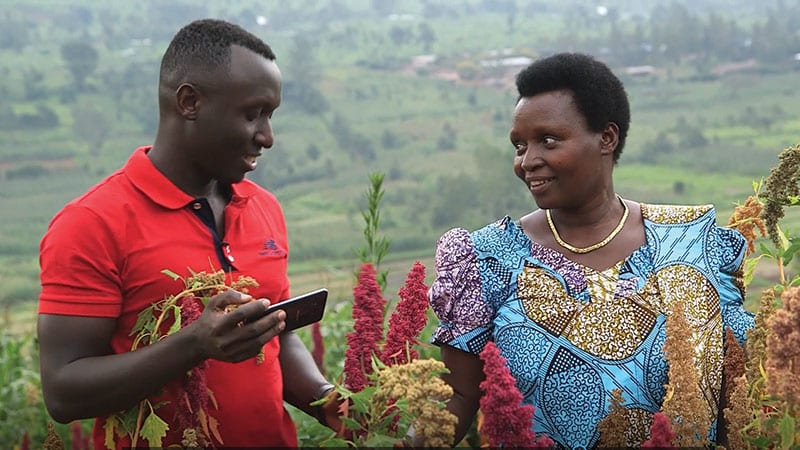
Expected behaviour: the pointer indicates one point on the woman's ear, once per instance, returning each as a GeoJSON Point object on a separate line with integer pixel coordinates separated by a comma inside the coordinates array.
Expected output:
{"type": "Point", "coordinates": [609, 139]}
{"type": "Point", "coordinates": [187, 100]}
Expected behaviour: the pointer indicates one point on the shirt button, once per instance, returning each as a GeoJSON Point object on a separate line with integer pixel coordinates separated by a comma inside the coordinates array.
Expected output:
{"type": "Point", "coordinates": [196, 205]}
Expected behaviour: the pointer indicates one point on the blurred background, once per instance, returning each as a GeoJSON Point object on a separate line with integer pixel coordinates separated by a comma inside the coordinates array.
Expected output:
{"type": "Point", "coordinates": [420, 90]}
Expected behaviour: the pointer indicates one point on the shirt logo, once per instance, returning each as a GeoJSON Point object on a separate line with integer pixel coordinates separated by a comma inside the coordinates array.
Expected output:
{"type": "Point", "coordinates": [270, 248]}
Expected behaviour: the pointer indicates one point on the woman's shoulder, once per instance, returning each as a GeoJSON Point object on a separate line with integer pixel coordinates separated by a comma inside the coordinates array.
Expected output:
{"type": "Point", "coordinates": [673, 229]}
{"type": "Point", "coordinates": [500, 234]}
{"type": "Point", "coordinates": [676, 214]}
{"type": "Point", "coordinates": [502, 229]}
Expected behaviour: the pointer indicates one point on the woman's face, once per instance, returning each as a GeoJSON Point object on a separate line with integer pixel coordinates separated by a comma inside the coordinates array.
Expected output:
{"type": "Point", "coordinates": [563, 163]}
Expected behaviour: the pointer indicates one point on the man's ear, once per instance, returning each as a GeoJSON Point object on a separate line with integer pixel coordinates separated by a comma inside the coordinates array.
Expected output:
{"type": "Point", "coordinates": [187, 101]}
{"type": "Point", "coordinates": [609, 139]}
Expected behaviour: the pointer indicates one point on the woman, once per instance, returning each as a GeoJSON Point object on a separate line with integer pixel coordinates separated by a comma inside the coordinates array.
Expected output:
{"type": "Point", "coordinates": [574, 294]}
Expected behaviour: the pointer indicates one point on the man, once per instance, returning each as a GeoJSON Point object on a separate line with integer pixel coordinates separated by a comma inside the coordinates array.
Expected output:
{"type": "Point", "coordinates": [184, 205]}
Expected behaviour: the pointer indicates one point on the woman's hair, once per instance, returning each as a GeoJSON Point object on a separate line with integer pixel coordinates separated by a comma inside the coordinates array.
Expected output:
{"type": "Point", "coordinates": [599, 95]}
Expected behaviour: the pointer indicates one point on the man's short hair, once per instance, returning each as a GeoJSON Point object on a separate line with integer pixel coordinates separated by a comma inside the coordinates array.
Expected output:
{"type": "Point", "coordinates": [206, 44]}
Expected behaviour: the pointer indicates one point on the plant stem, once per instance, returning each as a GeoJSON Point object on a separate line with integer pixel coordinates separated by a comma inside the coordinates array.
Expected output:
{"type": "Point", "coordinates": [174, 299]}
{"type": "Point", "coordinates": [135, 437]}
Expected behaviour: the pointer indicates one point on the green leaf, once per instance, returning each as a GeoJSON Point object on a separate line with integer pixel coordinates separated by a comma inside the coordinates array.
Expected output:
{"type": "Point", "coordinates": [350, 423]}
{"type": "Point", "coordinates": [171, 274]}
{"type": "Point", "coordinates": [377, 364]}
{"type": "Point", "coordinates": [336, 442]}
{"type": "Point", "coordinates": [144, 319]}
{"type": "Point", "coordinates": [176, 326]}
{"type": "Point", "coordinates": [760, 441]}
{"type": "Point", "coordinates": [766, 250]}
{"type": "Point", "coordinates": [153, 430]}
{"type": "Point", "coordinates": [750, 268]}
{"type": "Point", "coordinates": [387, 419]}
{"type": "Point", "coordinates": [360, 401]}
{"type": "Point", "coordinates": [782, 237]}
{"type": "Point", "coordinates": [379, 440]}
{"type": "Point", "coordinates": [126, 421]}
{"type": "Point", "coordinates": [789, 253]}
{"type": "Point", "coordinates": [110, 428]}
{"type": "Point", "coordinates": [787, 430]}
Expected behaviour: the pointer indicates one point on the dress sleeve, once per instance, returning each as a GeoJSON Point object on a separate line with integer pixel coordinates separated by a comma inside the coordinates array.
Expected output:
{"type": "Point", "coordinates": [456, 293]}
{"type": "Point", "coordinates": [732, 246]}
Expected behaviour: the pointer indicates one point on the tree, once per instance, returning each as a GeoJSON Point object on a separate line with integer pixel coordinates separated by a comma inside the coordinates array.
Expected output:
{"type": "Point", "coordinates": [400, 35]}
{"type": "Point", "coordinates": [693, 137]}
{"type": "Point", "coordinates": [390, 139]}
{"type": "Point", "coordinates": [90, 125]}
{"type": "Point", "coordinates": [34, 84]}
{"type": "Point", "coordinates": [81, 61]}
{"type": "Point", "coordinates": [499, 191]}
{"type": "Point", "coordinates": [354, 143]}
{"type": "Point", "coordinates": [383, 7]}
{"type": "Point", "coordinates": [14, 33]}
{"type": "Point", "coordinates": [447, 140]}
{"type": "Point", "coordinates": [454, 202]}
{"type": "Point", "coordinates": [426, 35]}
{"type": "Point", "coordinates": [302, 76]}
{"type": "Point", "coordinates": [312, 151]}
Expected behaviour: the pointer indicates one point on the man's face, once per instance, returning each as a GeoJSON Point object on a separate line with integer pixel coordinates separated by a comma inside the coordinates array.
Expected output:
{"type": "Point", "coordinates": [233, 124]}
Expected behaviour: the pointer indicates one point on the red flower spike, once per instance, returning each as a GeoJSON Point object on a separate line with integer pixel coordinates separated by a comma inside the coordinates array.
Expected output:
{"type": "Point", "coordinates": [26, 442]}
{"type": "Point", "coordinates": [408, 319]}
{"type": "Point", "coordinates": [506, 421]}
{"type": "Point", "coordinates": [80, 440]}
{"type": "Point", "coordinates": [363, 341]}
{"type": "Point", "coordinates": [661, 434]}
{"type": "Point", "coordinates": [318, 346]}
{"type": "Point", "coordinates": [194, 382]}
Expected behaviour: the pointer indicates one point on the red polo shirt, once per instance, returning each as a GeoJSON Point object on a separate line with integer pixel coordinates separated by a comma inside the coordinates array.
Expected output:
{"type": "Point", "coordinates": [103, 254]}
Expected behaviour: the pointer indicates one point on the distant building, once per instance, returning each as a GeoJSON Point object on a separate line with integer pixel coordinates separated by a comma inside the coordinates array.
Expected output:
{"type": "Point", "coordinates": [640, 71]}
{"type": "Point", "coordinates": [422, 61]}
{"type": "Point", "coordinates": [723, 69]}
{"type": "Point", "coordinates": [512, 61]}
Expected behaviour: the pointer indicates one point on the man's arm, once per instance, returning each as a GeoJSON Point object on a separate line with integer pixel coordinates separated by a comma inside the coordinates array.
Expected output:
{"type": "Point", "coordinates": [303, 383]}
{"type": "Point", "coordinates": [82, 378]}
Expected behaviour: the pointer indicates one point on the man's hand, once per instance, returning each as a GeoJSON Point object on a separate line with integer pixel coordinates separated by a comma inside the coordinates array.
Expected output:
{"type": "Point", "coordinates": [330, 412]}
{"type": "Point", "coordinates": [235, 334]}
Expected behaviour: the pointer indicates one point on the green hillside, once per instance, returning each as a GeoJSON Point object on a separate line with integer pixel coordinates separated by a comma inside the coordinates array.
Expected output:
{"type": "Point", "coordinates": [418, 90]}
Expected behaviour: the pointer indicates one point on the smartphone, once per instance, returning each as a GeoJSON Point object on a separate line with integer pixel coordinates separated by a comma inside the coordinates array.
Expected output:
{"type": "Point", "coordinates": [301, 310]}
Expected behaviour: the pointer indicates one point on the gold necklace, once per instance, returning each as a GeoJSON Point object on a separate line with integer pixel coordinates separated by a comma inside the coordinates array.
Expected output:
{"type": "Point", "coordinates": [582, 250]}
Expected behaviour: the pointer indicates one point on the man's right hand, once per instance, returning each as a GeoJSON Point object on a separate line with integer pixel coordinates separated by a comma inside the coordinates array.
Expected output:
{"type": "Point", "coordinates": [234, 334]}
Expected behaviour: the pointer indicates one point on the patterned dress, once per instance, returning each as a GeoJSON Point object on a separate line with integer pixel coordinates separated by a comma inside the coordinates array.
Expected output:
{"type": "Point", "coordinates": [571, 334]}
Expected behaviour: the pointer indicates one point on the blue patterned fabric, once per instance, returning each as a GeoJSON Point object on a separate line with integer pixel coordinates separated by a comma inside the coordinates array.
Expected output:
{"type": "Point", "coordinates": [571, 335]}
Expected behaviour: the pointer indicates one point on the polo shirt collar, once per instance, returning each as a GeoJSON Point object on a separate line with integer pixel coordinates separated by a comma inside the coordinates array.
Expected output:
{"type": "Point", "coordinates": [154, 184]}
